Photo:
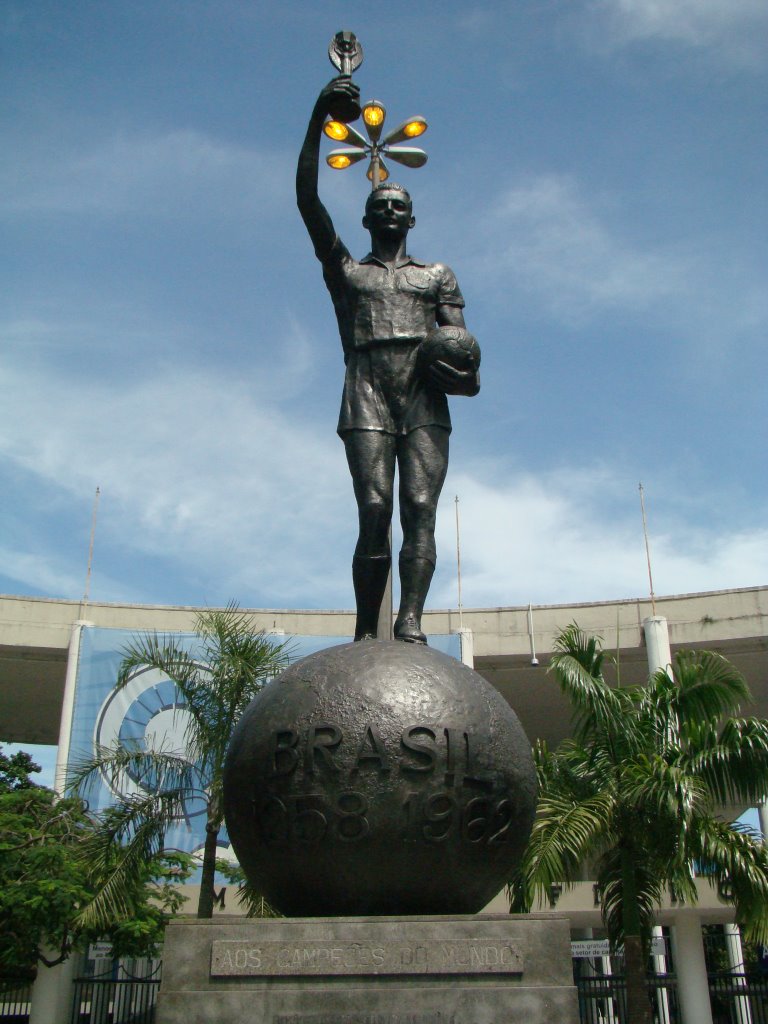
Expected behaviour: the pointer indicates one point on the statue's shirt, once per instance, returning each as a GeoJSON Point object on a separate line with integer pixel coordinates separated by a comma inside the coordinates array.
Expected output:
{"type": "Point", "coordinates": [383, 313]}
{"type": "Point", "coordinates": [376, 304]}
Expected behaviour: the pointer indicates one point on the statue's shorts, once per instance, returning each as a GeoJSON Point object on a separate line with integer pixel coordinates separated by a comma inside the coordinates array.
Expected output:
{"type": "Point", "coordinates": [384, 392]}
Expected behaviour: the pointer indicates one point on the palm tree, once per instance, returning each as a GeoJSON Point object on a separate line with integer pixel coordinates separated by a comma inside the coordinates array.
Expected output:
{"type": "Point", "coordinates": [636, 794]}
{"type": "Point", "coordinates": [217, 683]}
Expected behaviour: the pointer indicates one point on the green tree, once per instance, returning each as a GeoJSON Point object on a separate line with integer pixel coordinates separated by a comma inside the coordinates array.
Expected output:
{"type": "Point", "coordinates": [46, 878]}
{"type": "Point", "coordinates": [16, 771]}
{"type": "Point", "coordinates": [217, 683]}
{"type": "Point", "coordinates": [636, 794]}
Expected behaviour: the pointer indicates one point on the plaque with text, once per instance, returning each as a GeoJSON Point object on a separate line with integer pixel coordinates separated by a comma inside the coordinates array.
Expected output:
{"type": "Point", "coordinates": [327, 957]}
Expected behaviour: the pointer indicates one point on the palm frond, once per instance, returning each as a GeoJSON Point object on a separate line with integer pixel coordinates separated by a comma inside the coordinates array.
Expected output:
{"type": "Point", "coordinates": [255, 902]}
{"type": "Point", "coordinates": [583, 648]}
{"type": "Point", "coordinates": [707, 686]}
{"type": "Point", "coordinates": [217, 682]}
{"type": "Point", "coordinates": [733, 764]}
{"type": "Point", "coordinates": [648, 891]}
{"type": "Point", "coordinates": [573, 770]}
{"type": "Point", "coordinates": [116, 853]}
{"type": "Point", "coordinates": [128, 834]}
{"type": "Point", "coordinates": [159, 651]}
{"type": "Point", "coordinates": [240, 661]}
{"type": "Point", "coordinates": [738, 863]}
{"type": "Point", "coordinates": [121, 765]}
{"type": "Point", "coordinates": [563, 834]}
{"type": "Point", "coordinates": [657, 710]}
{"type": "Point", "coordinates": [577, 666]}
{"type": "Point", "coordinates": [666, 794]}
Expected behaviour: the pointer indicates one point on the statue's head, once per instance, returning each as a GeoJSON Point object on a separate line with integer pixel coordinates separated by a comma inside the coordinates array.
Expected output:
{"type": "Point", "coordinates": [388, 209]}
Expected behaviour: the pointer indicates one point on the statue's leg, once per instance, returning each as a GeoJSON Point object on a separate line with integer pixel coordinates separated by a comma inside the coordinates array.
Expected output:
{"type": "Point", "coordinates": [371, 459]}
{"type": "Point", "coordinates": [423, 462]}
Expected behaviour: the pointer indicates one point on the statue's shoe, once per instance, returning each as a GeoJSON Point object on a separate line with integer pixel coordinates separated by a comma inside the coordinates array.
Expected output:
{"type": "Point", "coordinates": [409, 630]}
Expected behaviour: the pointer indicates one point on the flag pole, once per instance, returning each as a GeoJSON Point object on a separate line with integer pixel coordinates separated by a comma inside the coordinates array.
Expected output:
{"type": "Point", "coordinates": [87, 591]}
{"type": "Point", "coordinates": [458, 561]}
{"type": "Point", "coordinates": [647, 550]}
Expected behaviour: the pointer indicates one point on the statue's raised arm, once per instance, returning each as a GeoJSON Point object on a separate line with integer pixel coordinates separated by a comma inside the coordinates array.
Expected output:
{"type": "Point", "coordinates": [313, 213]}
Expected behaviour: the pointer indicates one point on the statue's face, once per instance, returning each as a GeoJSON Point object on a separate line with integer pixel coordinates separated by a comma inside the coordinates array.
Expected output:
{"type": "Point", "coordinates": [389, 213]}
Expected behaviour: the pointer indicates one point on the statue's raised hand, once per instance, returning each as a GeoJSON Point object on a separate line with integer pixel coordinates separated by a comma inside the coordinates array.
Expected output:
{"type": "Point", "coordinates": [340, 96]}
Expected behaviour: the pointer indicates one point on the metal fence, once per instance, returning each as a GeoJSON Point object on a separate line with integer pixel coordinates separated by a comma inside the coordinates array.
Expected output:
{"type": "Point", "coordinates": [603, 999]}
{"type": "Point", "coordinates": [15, 998]}
{"type": "Point", "coordinates": [735, 998]}
{"type": "Point", "coordinates": [116, 997]}
{"type": "Point", "coordinates": [739, 998]}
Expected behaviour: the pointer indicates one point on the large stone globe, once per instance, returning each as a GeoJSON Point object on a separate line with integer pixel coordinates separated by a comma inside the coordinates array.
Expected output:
{"type": "Point", "coordinates": [379, 777]}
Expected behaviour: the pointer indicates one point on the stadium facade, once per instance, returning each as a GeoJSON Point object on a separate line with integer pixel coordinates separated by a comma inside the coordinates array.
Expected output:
{"type": "Point", "coordinates": [58, 658]}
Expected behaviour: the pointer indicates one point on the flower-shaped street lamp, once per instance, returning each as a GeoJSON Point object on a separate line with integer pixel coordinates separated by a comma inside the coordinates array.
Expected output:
{"type": "Point", "coordinates": [358, 147]}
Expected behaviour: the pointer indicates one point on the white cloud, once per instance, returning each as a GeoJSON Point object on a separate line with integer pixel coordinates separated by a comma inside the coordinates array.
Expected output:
{"type": "Point", "coordinates": [229, 489]}
{"type": "Point", "coordinates": [158, 174]}
{"type": "Point", "coordinates": [192, 468]}
{"type": "Point", "coordinates": [236, 493]}
{"type": "Point", "coordinates": [42, 569]}
{"type": "Point", "coordinates": [548, 239]}
{"type": "Point", "coordinates": [731, 29]}
{"type": "Point", "coordinates": [557, 537]}
{"type": "Point", "coordinates": [552, 247]}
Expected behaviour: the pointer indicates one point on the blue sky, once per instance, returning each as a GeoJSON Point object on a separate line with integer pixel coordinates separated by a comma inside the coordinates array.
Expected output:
{"type": "Point", "coordinates": [596, 179]}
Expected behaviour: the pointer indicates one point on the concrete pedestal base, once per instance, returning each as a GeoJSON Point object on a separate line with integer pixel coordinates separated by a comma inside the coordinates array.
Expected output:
{"type": "Point", "coordinates": [383, 970]}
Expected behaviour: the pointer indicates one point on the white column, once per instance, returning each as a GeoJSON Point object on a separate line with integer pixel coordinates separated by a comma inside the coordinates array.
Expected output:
{"type": "Point", "coordinates": [659, 658]}
{"type": "Point", "coordinates": [742, 1009]}
{"type": "Point", "coordinates": [657, 643]}
{"type": "Point", "coordinates": [52, 993]}
{"type": "Point", "coordinates": [609, 1015]}
{"type": "Point", "coordinates": [762, 813]}
{"type": "Point", "coordinates": [660, 969]}
{"type": "Point", "coordinates": [467, 646]}
{"type": "Point", "coordinates": [65, 722]}
{"type": "Point", "coordinates": [691, 968]}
